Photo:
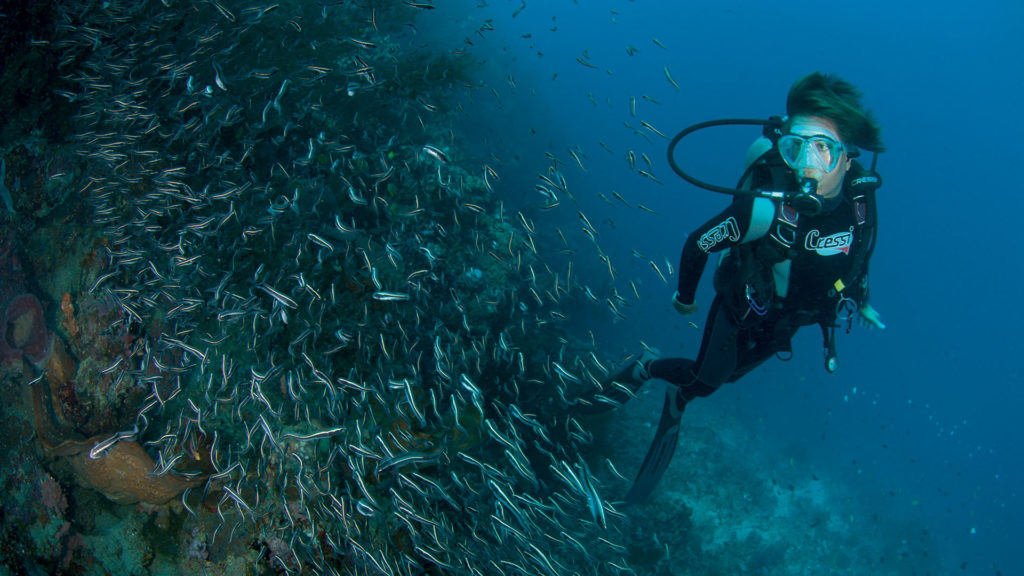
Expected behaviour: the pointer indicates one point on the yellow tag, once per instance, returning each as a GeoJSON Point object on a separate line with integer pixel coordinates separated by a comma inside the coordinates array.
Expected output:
{"type": "Point", "coordinates": [839, 286]}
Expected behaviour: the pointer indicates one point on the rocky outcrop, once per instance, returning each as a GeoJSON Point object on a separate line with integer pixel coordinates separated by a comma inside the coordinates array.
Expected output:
{"type": "Point", "coordinates": [123, 472]}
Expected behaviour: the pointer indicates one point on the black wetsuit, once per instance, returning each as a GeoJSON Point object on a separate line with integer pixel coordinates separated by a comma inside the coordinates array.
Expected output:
{"type": "Point", "coordinates": [739, 336]}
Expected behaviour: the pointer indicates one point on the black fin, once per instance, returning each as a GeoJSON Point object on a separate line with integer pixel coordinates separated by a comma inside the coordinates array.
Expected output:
{"type": "Point", "coordinates": [659, 455]}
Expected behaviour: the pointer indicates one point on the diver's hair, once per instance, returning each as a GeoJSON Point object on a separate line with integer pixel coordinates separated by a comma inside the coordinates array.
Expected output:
{"type": "Point", "coordinates": [829, 96]}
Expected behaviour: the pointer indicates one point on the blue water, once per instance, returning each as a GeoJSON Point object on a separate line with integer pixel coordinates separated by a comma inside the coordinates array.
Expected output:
{"type": "Point", "coordinates": [923, 417]}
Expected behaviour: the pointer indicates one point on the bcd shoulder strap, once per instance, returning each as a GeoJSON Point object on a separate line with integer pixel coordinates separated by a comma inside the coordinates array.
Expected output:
{"type": "Point", "coordinates": [862, 184]}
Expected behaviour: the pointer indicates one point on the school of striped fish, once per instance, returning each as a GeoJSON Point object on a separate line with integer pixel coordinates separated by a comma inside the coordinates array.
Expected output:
{"type": "Point", "coordinates": [351, 340]}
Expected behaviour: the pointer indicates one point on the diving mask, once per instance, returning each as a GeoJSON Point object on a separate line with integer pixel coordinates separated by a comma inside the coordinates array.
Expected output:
{"type": "Point", "coordinates": [817, 151]}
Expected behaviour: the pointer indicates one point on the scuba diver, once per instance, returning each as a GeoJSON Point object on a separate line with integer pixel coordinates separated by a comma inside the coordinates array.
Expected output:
{"type": "Point", "coordinates": [794, 247]}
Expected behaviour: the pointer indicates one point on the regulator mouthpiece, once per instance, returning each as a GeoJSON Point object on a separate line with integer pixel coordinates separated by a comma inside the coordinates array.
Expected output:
{"type": "Point", "coordinates": [806, 201]}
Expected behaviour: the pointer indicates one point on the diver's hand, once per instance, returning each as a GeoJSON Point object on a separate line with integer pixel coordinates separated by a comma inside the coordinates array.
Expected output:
{"type": "Point", "coordinates": [682, 307]}
{"type": "Point", "coordinates": [870, 317]}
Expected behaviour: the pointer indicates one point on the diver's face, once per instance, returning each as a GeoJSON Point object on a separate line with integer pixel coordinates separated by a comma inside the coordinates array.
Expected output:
{"type": "Point", "coordinates": [810, 166]}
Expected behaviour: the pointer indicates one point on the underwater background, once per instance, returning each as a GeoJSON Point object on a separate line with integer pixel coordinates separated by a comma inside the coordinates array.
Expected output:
{"type": "Point", "coordinates": [311, 287]}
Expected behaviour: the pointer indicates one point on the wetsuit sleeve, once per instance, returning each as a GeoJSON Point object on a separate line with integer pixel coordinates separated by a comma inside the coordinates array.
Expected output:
{"type": "Point", "coordinates": [859, 292]}
{"type": "Point", "coordinates": [727, 229]}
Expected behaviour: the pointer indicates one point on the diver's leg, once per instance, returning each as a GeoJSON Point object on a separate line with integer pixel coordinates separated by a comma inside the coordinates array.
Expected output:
{"type": "Point", "coordinates": [716, 361]}
{"type": "Point", "coordinates": [719, 352]}
{"type": "Point", "coordinates": [676, 371]}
